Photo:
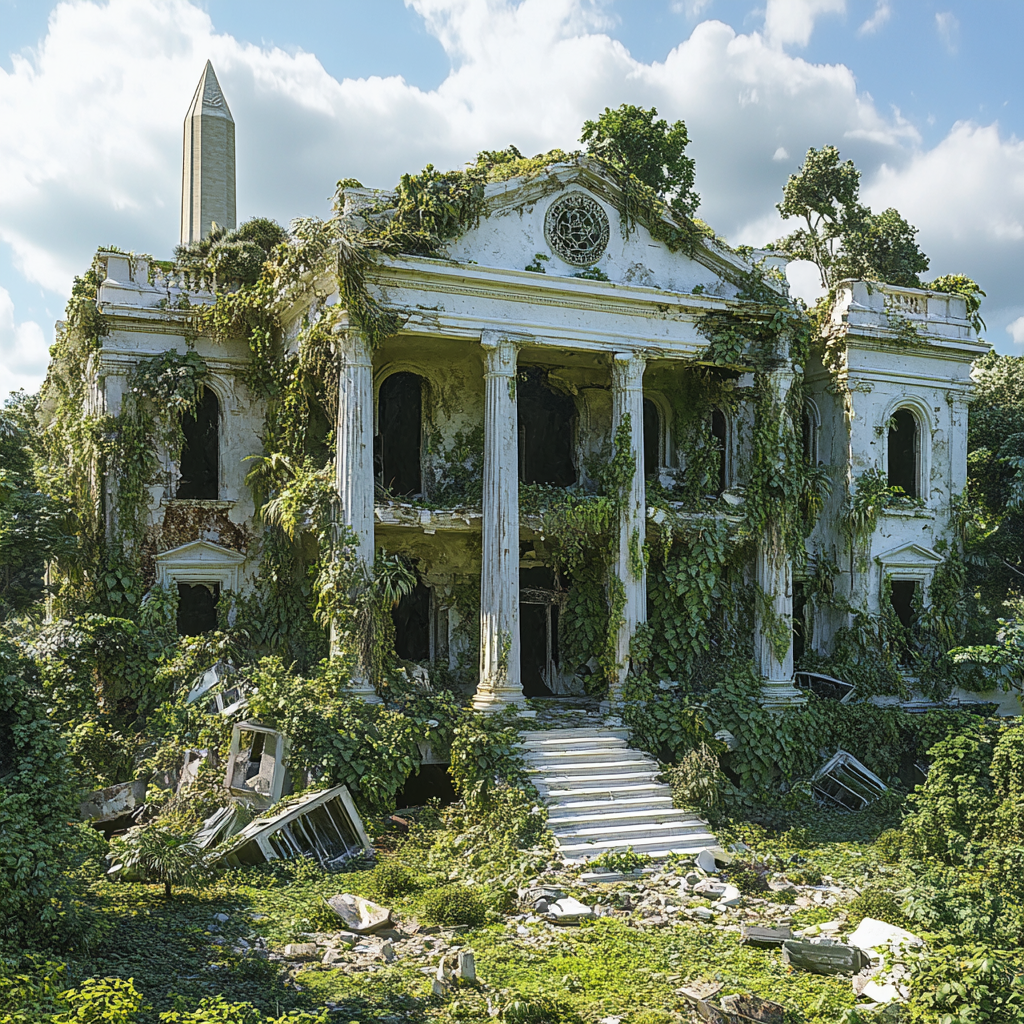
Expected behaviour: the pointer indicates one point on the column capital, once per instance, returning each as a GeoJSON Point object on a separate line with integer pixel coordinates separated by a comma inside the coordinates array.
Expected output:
{"type": "Point", "coordinates": [628, 369]}
{"type": "Point", "coordinates": [500, 351]}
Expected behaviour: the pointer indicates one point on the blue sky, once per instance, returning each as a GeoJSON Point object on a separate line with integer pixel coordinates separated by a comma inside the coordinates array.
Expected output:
{"type": "Point", "coordinates": [925, 97]}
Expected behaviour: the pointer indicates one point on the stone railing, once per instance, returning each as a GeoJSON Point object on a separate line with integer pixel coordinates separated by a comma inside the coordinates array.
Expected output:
{"type": "Point", "coordinates": [869, 305]}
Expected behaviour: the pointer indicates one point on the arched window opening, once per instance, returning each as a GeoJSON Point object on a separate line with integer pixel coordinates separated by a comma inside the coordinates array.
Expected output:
{"type": "Point", "coordinates": [411, 617]}
{"type": "Point", "coordinates": [904, 448]}
{"type": "Point", "coordinates": [652, 440]}
{"type": "Point", "coordinates": [399, 434]}
{"type": "Point", "coordinates": [809, 436]}
{"type": "Point", "coordinates": [799, 621]}
{"type": "Point", "coordinates": [720, 432]}
{"type": "Point", "coordinates": [197, 608]}
{"type": "Point", "coordinates": [199, 477]}
{"type": "Point", "coordinates": [547, 422]}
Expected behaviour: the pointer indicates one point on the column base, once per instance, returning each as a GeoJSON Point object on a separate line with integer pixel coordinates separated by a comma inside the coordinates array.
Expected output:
{"type": "Point", "coordinates": [489, 701]}
{"type": "Point", "coordinates": [362, 689]}
{"type": "Point", "coordinates": [779, 694]}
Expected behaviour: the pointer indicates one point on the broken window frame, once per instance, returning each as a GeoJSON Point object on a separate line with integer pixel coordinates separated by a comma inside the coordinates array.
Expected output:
{"type": "Point", "coordinates": [846, 775]}
{"type": "Point", "coordinates": [280, 778]}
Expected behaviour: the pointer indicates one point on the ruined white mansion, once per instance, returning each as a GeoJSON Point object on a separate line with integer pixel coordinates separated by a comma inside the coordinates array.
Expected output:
{"type": "Point", "coordinates": [548, 365]}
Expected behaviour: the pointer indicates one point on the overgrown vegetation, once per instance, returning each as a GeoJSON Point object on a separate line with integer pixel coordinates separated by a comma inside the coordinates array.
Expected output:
{"type": "Point", "coordinates": [98, 693]}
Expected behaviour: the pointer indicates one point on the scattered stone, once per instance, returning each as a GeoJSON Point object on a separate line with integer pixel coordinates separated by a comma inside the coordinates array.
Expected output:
{"type": "Point", "coordinates": [819, 958]}
{"type": "Point", "coordinates": [387, 952]}
{"type": "Point", "coordinates": [710, 857]}
{"type": "Point", "coordinates": [701, 913]}
{"type": "Point", "coordinates": [467, 965]}
{"type": "Point", "coordinates": [873, 934]}
{"type": "Point", "coordinates": [763, 938]}
{"type": "Point", "coordinates": [569, 911]}
{"type": "Point", "coordinates": [699, 991]}
{"type": "Point", "coordinates": [334, 956]}
{"type": "Point", "coordinates": [360, 916]}
{"type": "Point", "coordinates": [300, 950]}
{"type": "Point", "coordinates": [731, 897]}
{"type": "Point", "coordinates": [222, 918]}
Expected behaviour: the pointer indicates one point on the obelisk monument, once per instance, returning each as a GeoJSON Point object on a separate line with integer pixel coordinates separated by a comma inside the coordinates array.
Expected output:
{"type": "Point", "coordinates": [208, 165]}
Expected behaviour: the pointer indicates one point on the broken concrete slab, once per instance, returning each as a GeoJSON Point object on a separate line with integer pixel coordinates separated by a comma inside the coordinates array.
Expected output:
{"type": "Point", "coordinates": [764, 938]}
{"type": "Point", "coordinates": [360, 916]}
{"type": "Point", "coordinates": [746, 1007]}
{"type": "Point", "coordinates": [106, 805]}
{"type": "Point", "coordinates": [845, 783]}
{"type": "Point", "coordinates": [819, 958]}
{"type": "Point", "coordinates": [324, 825]}
{"type": "Point", "coordinates": [222, 824]}
{"type": "Point", "coordinates": [872, 934]}
{"type": "Point", "coordinates": [466, 969]}
{"type": "Point", "coordinates": [569, 911]}
{"type": "Point", "coordinates": [710, 857]}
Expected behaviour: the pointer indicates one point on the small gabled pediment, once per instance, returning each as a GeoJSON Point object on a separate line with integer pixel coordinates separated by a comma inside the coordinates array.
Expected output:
{"type": "Point", "coordinates": [199, 561]}
{"type": "Point", "coordinates": [910, 556]}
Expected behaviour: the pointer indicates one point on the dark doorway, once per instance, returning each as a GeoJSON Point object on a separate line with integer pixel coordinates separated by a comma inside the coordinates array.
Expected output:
{"type": "Point", "coordinates": [199, 476]}
{"type": "Point", "coordinates": [720, 432]}
{"type": "Point", "coordinates": [431, 782]}
{"type": "Point", "coordinates": [547, 421]}
{"type": "Point", "coordinates": [903, 447]}
{"type": "Point", "coordinates": [652, 439]}
{"type": "Point", "coordinates": [197, 608]}
{"type": "Point", "coordinates": [799, 621]}
{"type": "Point", "coordinates": [533, 649]}
{"type": "Point", "coordinates": [411, 617]}
{"type": "Point", "coordinates": [902, 597]}
{"type": "Point", "coordinates": [399, 434]}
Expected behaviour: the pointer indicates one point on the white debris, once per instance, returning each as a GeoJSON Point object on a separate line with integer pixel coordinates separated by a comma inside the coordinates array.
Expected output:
{"type": "Point", "coordinates": [871, 934]}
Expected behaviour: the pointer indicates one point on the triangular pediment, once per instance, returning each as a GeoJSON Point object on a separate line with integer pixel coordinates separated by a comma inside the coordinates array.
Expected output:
{"type": "Point", "coordinates": [200, 551]}
{"type": "Point", "coordinates": [910, 556]}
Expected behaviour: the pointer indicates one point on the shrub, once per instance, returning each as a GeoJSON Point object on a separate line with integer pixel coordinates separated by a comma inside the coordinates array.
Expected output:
{"type": "Point", "coordinates": [879, 903]}
{"type": "Point", "coordinates": [966, 983]}
{"type": "Point", "coordinates": [391, 878]}
{"type": "Point", "coordinates": [539, 1010]}
{"type": "Point", "coordinates": [161, 855]}
{"type": "Point", "coordinates": [454, 904]}
{"type": "Point", "coordinates": [890, 844]}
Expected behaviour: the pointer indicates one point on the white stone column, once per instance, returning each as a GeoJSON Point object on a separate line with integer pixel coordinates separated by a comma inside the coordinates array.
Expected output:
{"type": "Point", "coordinates": [354, 461]}
{"type": "Point", "coordinates": [629, 567]}
{"type": "Point", "coordinates": [499, 577]}
{"type": "Point", "coordinates": [774, 600]}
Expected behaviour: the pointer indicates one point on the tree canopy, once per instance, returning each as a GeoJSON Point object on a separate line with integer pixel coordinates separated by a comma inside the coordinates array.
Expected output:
{"type": "Point", "coordinates": [635, 141]}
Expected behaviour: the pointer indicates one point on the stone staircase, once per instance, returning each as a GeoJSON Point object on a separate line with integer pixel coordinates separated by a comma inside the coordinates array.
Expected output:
{"type": "Point", "coordinates": [603, 795]}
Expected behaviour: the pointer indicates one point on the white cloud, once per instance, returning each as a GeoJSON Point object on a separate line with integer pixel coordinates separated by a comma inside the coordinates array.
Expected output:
{"type": "Point", "coordinates": [691, 8]}
{"type": "Point", "coordinates": [949, 29]}
{"type": "Point", "coordinates": [1016, 330]}
{"type": "Point", "coordinates": [23, 353]}
{"type": "Point", "coordinates": [90, 152]}
{"type": "Point", "coordinates": [883, 12]}
{"type": "Point", "coordinates": [792, 21]}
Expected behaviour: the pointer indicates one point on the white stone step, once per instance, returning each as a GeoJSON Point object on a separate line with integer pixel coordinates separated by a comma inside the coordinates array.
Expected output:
{"type": "Point", "coordinates": [653, 846]}
{"type": "Point", "coordinates": [609, 793]}
{"type": "Point", "coordinates": [581, 767]}
{"type": "Point", "coordinates": [592, 754]}
{"type": "Point", "coordinates": [668, 831]}
{"type": "Point", "coordinates": [543, 736]}
{"type": "Point", "coordinates": [560, 819]}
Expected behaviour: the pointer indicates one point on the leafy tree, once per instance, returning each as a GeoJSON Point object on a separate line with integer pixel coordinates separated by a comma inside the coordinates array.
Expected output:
{"type": "Point", "coordinates": [841, 235]}
{"type": "Point", "coordinates": [33, 527]}
{"type": "Point", "coordinates": [960, 284]}
{"type": "Point", "coordinates": [632, 141]}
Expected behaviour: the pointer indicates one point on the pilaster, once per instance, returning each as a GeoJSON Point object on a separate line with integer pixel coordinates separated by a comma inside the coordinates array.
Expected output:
{"type": "Point", "coordinates": [499, 580]}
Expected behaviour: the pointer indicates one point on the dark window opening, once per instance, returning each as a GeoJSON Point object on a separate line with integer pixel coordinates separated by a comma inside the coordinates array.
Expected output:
{"type": "Point", "coordinates": [652, 440]}
{"type": "Point", "coordinates": [399, 434]}
{"type": "Point", "coordinates": [903, 450]}
{"type": "Point", "coordinates": [902, 597]}
{"type": "Point", "coordinates": [547, 421]}
{"type": "Point", "coordinates": [799, 621]}
{"type": "Point", "coordinates": [808, 438]}
{"type": "Point", "coordinates": [411, 617]}
{"type": "Point", "coordinates": [720, 433]}
{"type": "Point", "coordinates": [431, 782]}
{"type": "Point", "coordinates": [199, 475]}
{"type": "Point", "coordinates": [197, 608]}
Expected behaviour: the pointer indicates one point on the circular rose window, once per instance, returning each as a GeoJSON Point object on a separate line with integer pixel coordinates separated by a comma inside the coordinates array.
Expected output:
{"type": "Point", "coordinates": [577, 229]}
